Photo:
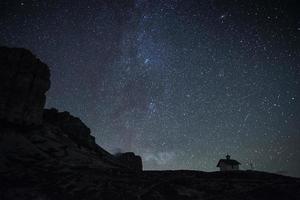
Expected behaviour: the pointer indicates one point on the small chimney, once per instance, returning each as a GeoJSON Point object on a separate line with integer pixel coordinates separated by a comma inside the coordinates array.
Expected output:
{"type": "Point", "coordinates": [228, 157]}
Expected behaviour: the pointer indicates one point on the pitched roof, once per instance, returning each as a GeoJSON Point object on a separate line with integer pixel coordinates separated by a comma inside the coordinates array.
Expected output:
{"type": "Point", "coordinates": [228, 162]}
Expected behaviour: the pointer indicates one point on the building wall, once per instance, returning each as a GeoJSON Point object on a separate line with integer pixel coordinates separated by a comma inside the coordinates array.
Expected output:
{"type": "Point", "coordinates": [235, 167]}
{"type": "Point", "coordinates": [225, 167]}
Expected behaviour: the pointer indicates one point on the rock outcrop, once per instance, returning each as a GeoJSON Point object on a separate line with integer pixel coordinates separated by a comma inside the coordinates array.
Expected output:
{"type": "Point", "coordinates": [24, 81]}
{"type": "Point", "coordinates": [71, 126]}
{"type": "Point", "coordinates": [130, 160]}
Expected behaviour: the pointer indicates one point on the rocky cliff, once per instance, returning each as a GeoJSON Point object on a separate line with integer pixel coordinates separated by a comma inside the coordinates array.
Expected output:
{"type": "Point", "coordinates": [47, 154]}
{"type": "Point", "coordinates": [30, 133]}
{"type": "Point", "coordinates": [24, 82]}
{"type": "Point", "coordinates": [72, 127]}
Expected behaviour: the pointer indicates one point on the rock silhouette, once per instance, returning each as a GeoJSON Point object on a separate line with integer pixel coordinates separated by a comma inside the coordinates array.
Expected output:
{"type": "Point", "coordinates": [131, 160]}
{"type": "Point", "coordinates": [72, 126]}
{"type": "Point", "coordinates": [47, 154]}
{"type": "Point", "coordinates": [24, 81]}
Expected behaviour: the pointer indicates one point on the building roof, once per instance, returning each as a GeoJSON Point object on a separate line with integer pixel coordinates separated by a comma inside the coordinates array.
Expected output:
{"type": "Point", "coordinates": [228, 162]}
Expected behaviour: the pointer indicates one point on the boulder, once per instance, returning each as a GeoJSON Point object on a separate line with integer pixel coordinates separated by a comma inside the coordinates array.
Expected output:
{"type": "Point", "coordinates": [130, 160]}
{"type": "Point", "coordinates": [24, 80]}
{"type": "Point", "coordinates": [71, 126]}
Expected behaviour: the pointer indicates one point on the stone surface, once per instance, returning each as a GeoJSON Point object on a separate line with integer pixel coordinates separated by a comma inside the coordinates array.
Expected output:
{"type": "Point", "coordinates": [24, 79]}
{"type": "Point", "coordinates": [71, 126]}
{"type": "Point", "coordinates": [130, 160]}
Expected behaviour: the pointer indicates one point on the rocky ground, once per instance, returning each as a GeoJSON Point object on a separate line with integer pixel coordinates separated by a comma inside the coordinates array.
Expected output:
{"type": "Point", "coordinates": [47, 154]}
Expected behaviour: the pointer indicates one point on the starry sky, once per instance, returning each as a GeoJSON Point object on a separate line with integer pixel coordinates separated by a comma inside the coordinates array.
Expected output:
{"type": "Point", "coordinates": [179, 82]}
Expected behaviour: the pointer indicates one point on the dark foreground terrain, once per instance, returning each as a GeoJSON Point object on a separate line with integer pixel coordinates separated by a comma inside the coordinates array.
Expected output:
{"type": "Point", "coordinates": [66, 182]}
{"type": "Point", "coordinates": [46, 154]}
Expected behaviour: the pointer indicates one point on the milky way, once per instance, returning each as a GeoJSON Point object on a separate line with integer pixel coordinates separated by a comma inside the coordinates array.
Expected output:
{"type": "Point", "coordinates": [179, 82]}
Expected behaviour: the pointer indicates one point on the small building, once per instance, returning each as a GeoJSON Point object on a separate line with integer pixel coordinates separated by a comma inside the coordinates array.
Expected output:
{"type": "Point", "coordinates": [228, 164]}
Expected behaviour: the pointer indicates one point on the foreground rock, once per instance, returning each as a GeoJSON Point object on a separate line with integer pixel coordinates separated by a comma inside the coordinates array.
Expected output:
{"type": "Point", "coordinates": [57, 158]}
{"type": "Point", "coordinates": [72, 127]}
{"type": "Point", "coordinates": [24, 81]}
{"type": "Point", "coordinates": [130, 160]}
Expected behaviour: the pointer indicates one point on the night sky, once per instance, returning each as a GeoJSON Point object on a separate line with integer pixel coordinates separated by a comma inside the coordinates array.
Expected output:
{"type": "Point", "coordinates": [179, 82]}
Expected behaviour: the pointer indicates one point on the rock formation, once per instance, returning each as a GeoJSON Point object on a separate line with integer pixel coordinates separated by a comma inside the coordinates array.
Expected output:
{"type": "Point", "coordinates": [24, 81]}
{"type": "Point", "coordinates": [71, 126]}
{"type": "Point", "coordinates": [130, 160]}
